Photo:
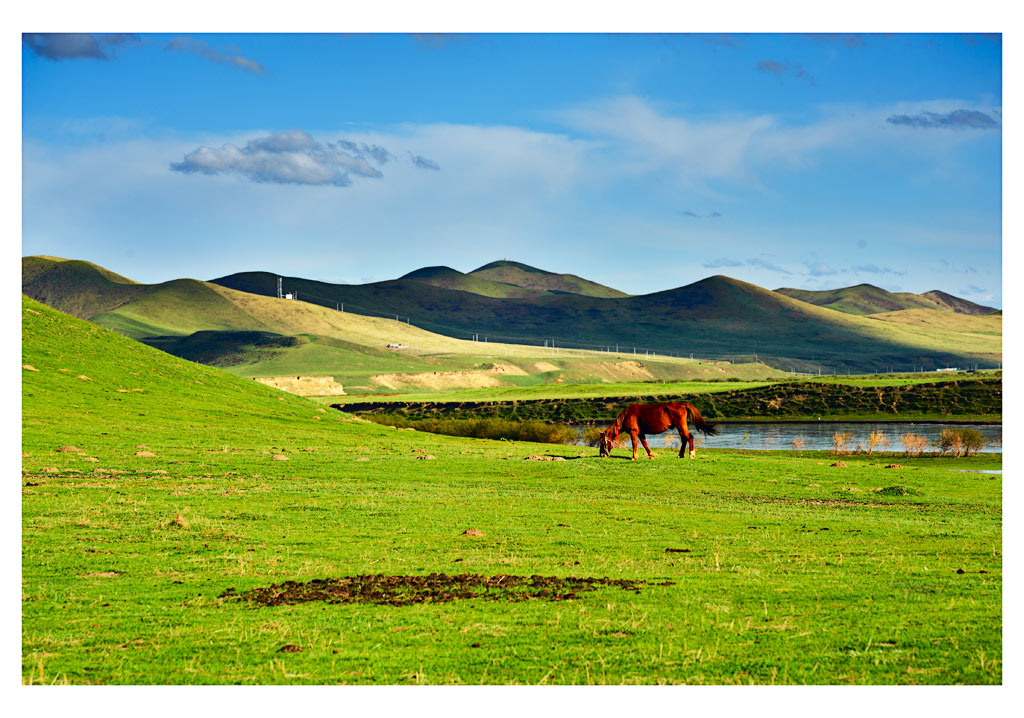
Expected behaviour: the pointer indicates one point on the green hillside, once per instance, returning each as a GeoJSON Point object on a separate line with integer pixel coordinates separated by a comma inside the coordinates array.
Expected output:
{"type": "Point", "coordinates": [86, 386]}
{"type": "Point", "coordinates": [869, 299]}
{"type": "Point", "coordinates": [449, 278]}
{"type": "Point", "coordinates": [523, 275]}
{"type": "Point", "coordinates": [956, 304]}
{"type": "Point", "coordinates": [81, 289]}
{"type": "Point", "coordinates": [860, 299]}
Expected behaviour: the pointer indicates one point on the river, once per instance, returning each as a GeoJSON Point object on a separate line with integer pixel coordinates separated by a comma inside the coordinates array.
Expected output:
{"type": "Point", "coordinates": [818, 435]}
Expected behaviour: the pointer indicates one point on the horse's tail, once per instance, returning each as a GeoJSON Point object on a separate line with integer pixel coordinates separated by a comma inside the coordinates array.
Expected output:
{"type": "Point", "coordinates": [699, 422]}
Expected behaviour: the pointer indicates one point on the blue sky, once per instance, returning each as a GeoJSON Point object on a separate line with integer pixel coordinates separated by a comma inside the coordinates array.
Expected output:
{"type": "Point", "coordinates": [642, 161]}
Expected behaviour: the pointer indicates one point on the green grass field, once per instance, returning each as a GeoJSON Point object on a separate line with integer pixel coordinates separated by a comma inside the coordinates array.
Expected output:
{"type": "Point", "coordinates": [769, 567]}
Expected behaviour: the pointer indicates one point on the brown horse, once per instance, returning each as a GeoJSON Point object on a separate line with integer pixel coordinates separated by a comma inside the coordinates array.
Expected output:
{"type": "Point", "coordinates": [641, 419]}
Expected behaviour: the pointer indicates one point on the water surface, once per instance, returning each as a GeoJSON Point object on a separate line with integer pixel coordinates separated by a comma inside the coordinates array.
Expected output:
{"type": "Point", "coordinates": [818, 435]}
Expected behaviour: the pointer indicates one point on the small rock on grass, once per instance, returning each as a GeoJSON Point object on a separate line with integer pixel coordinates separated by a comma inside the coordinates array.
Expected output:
{"type": "Point", "coordinates": [893, 466]}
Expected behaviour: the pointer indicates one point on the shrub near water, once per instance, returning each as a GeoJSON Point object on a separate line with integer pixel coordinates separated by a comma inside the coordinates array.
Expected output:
{"type": "Point", "coordinates": [486, 428]}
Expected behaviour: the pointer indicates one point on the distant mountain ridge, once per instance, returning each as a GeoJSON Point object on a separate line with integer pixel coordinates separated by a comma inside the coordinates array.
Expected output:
{"type": "Point", "coordinates": [717, 317]}
{"type": "Point", "coordinates": [868, 299]}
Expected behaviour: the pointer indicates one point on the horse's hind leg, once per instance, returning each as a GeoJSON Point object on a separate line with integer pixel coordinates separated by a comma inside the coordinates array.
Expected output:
{"type": "Point", "coordinates": [643, 440]}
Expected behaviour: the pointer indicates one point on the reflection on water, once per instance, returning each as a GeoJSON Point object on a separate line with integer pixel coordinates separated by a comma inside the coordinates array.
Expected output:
{"type": "Point", "coordinates": [818, 435]}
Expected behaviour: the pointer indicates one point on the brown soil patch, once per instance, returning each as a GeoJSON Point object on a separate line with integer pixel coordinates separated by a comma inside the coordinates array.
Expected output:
{"type": "Point", "coordinates": [839, 463]}
{"type": "Point", "coordinates": [545, 366]}
{"type": "Point", "coordinates": [304, 385]}
{"type": "Point", "coordinates": [426, 457]}
{"type": "Point", "coordinates": [88, 458]}
{"type": "Point", "coordinates": [535, 457]}
{"type": "Point", "coordinates": [509, 369]}
{"type": "Point", "coordinates": [69, 448]}
{"type": "Point", "coordinates": [279, 457]}
{"type": "Point", "coordinates": [101, 574]}
{"type": "Point", "coordinates": [83, 377]}
{"type": "Point", "coordinates": [893, 466]}
{"type": "Point", "coordinates": [29, 367]}
{"type": "Point", "coordinates": [144, 453]}
{"type": "Point", "coordinates": [435, 588]}
{"type": "Point", "coordinates": [472, 532]}
{"type": "Point", "coordinates": [437, 380]}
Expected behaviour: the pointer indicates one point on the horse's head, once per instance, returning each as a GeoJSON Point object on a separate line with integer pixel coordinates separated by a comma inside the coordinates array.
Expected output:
{"type": "Point", "coordinates": [607, 440]}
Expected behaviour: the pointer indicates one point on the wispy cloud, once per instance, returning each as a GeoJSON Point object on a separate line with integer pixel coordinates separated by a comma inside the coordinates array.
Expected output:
{"type": "Point", "coordinates": [292, 157]}
{"type": "Point", "coordinates": [820, 269]}
{"type": "Point", "coordinates": [762, 263]}
{"type": "Point", "coordinates": [783, 69]}
{"type": "Point", "coordinates": [75, 45]}
{"type": "Point", "coordinates": [228, 56]}
{"type": "Point", "coordinates": [722, 262]}
{"type": "Point", "coordinates": [424, 163]}
{"type": "Point", "coordinates": [954, 120]}
{"type": "Point", "coordinates": [688, 213]}
{"type": "Point", "coordinates": [875, 269]}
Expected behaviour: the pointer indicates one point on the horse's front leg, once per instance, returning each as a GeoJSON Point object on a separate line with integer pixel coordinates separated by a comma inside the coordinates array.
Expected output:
{"type": "Point", "coordinates": [685, 437]}
{"type": "Point", "coordinates": [643, 440]}
{"type": "Point", "coordinates": [632, 436]}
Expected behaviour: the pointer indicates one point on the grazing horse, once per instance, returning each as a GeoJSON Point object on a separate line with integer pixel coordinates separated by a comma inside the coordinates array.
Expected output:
{"type": "Point", "coordinates": [638, 420]}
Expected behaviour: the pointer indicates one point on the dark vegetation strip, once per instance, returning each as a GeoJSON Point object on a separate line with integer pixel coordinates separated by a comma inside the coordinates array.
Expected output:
{"type": "Point", "coordinates": [434, 588]}
{"type": "Point", "coordinates": [791, 401]}
{"type": "Point", "coordinates": [483, 428]}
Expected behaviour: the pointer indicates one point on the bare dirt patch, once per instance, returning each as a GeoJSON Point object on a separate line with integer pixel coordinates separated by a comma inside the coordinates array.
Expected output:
{"type": "Point", "coordinates": [437, 380]}
{"type": "Point", "coordinates": [510, 369]}
{"type": "Point", "coordinates": [543, 366]}
{"type": "Point", "coordinates": [434, 588]}
{"type": "Point", "coordinates": [304, 385]}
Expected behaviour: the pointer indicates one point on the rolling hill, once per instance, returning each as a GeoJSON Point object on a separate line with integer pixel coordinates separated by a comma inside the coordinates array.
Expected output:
{"type": "Point", "coordinates": [868, 299]}
{"type": "Point", "coordinates": [523, 275]}
{"type": "Point", "coordinates": [716, 318]}
{"type": "Point", "coordinates": [256, 335]}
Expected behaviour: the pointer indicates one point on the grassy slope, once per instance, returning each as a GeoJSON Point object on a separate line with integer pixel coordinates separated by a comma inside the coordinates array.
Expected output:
{"type": "Point", "coordinates": [794, 572]}
{"type": "Point", "coordinates": [968, 326]}
{"type": "Point", "coordinates": [79, 288]}
{"type": "Point", "coordinates": [860, 299]}
{"type": "Point", "coordinates": [449, 278]}
{"type": "Point", "coordinates": [523, 275]}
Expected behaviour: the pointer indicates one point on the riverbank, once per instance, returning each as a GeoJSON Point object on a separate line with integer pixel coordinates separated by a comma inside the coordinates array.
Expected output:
{"type": "Point", "coordinates": [957, 401]}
